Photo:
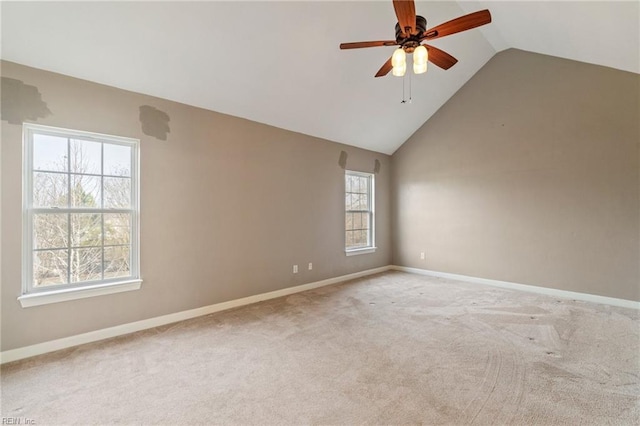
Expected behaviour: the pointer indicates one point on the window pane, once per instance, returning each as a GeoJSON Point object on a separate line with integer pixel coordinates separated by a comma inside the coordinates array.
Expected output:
{"type": "Point", "coordinates": [364, 185]}
{"type": "Point", "coordinates": [86, 229]}
{"type": "Point", "coordinates": [85, 191]}
{"type": "Point", "coordinates": [357, 220]}
{"type": "Point", "coordinates": [50, 189]}
{"type": "Point", "coordinates": [50, 153]}
{"type": "Point", "coordinates": [117, 192]}
{"type": "Point", "coordinates": [357, 184]}
{"type": "Point", "coordinates": [86, 264]}
{"type": "Point", "coordinates": [349, 239]}
{"type": "Point", "coordinates": [363, 202]}
{"type": "Point", "coordinates": [360, 238]}
{"type": "Point", "coordinates": [117, 228]}
{"type": "Point", "coordinates": [86, 157]}
{"type": "Point", "coordinates": [117, 160]}
{"type": "Point", "coordinates": [359, 202]}
{"type": "Point", "coordinates": [117, 262]}
{"type": "Point", "coordinates": [49, 267]}
{"type": "Point", "coordinates": [348, 221]}
{"type": "Point", "coordinates": [355, 201]}
{"type": "Point", "coordinates": [366, 219]}
{"type": "Point", "coordinates": [50, 231]}
{"type": "Point", "coordinates": [356, 238]}
{"type": "Point", "coordinates": [348, 201]}
{"type": "Point", "coordinates": [351, 221]}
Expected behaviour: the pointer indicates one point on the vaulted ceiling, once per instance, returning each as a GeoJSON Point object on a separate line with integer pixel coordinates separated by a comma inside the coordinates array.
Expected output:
{"type": "Point", "coordinates": [278, 62]}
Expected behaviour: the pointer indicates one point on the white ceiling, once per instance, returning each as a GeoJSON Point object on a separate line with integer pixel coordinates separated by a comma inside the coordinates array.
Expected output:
{"type": "Point", "coordinates": [279, 63]}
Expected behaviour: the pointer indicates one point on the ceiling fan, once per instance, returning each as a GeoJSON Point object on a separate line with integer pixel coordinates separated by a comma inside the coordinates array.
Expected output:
{"type": "Point", "coordinates": [411, 31]}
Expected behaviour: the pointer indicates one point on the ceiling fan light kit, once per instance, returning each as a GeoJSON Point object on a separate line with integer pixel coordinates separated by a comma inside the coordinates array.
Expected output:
{"type": "Point", "coordinates": [411, 32]}
{"type": "Point", "coordinates": [420, 58]}
{"type": "Point", "coordinates": [399, 71]}
{"type": "Point", "coordinates": [399, 62]}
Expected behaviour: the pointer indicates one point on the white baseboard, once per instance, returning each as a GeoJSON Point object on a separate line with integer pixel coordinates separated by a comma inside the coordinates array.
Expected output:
{"type": "Point", "coordinates": [523, 287]}
{"type": "Point", "coordinates": [119, 330]}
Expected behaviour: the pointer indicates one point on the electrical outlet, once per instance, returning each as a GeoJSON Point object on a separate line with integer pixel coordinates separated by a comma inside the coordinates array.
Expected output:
{"type": "Point", "coordinates": [422, 255]}
{"type": "Point", "coordinates": [310, 266]}
{"type": "Point", "coordinates": [295, 269]}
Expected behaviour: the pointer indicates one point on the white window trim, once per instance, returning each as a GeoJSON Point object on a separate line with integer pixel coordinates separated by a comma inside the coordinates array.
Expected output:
{"type": "Point", "coordinates": [364, 250]}
{"type": "Point", "coordinates": [372, 201]}
{"type": "Point", "coordinates": [34, 297]}
{"type": "Point", "coordinates": [63, 295]}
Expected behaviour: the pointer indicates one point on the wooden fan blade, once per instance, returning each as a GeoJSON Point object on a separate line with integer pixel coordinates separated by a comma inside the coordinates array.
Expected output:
{"type": "Point", "coordinates": [440, 57]}
{"type": "Point", "coordinates": [360, 44]}
{"type": "Point", "coordinates": [457, 25]}
{"type": "Point", "coordinates": [385, 69]}
{"type": "Point", "coordinates": [406, 13]}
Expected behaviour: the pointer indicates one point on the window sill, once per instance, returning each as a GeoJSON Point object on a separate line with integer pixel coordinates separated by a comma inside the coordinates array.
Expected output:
{"type": "Point", "coordinates": [55, 296]}
{"type": "Point", "coordinates": [365, 250]}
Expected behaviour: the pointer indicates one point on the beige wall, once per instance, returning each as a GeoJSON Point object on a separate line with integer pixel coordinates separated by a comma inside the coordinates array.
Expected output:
{"type": "Point", "coordinates": [528, 174]}
{"type": "Point", "coordinates": [227, 207]}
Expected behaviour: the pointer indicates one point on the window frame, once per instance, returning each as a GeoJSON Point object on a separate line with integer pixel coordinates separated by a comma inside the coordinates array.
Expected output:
{"type": "Point", "coordinates": [371, 247]}
{"type": "Point", "coordinates": [32, 296]}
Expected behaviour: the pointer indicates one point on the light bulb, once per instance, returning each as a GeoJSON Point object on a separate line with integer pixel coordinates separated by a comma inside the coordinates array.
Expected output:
{"type": "Point", "coordinates": [399, 58]}
{"type": "Point", "coordinates": [419, 68]}
{"type": "Point", "coordinates": [420, 55]}
{"type": "Point", "coordinates": [399, 71]}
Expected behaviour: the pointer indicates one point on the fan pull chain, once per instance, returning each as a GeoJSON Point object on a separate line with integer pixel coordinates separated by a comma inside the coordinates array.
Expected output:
{"type": "Point", "coordinates": [404, 100]}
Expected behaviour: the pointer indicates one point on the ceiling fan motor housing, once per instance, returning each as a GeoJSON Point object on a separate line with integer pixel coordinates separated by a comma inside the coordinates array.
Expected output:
{"type": "Point", "coordinates": [413, 41]}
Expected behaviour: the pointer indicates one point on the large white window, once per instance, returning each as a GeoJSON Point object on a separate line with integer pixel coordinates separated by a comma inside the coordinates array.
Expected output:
{"type": "Point", "coordinates": [80, 214]}
{"type": "Point", "coordinates": [359, 212]}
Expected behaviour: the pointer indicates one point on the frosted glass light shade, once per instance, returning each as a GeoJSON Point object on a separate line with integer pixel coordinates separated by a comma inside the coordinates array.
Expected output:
{"type": "Point", "coordinates": [420, 55]}
{"type": "Point", "coordinates": [399, 62]}
{"type": "Point", "coordinates": [399, 58]}
{"type": "Point", "coordinates": [399, 71]}
{"type": "Point", "coordinates": [419, 68]}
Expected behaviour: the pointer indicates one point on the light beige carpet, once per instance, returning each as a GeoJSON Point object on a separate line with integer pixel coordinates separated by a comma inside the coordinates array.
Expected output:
{"type": "Point", "coordinates": [394, 348]}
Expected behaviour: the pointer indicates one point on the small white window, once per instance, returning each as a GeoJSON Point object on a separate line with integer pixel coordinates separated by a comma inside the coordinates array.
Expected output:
{"type": "Point", "coordinates": [80, 204]}
{"type": "Point", "coordinates": [359, 212]}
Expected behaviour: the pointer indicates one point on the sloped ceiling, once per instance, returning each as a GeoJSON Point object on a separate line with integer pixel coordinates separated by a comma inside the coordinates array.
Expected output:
{"type": "Point", "coordinates": [278, 62]}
